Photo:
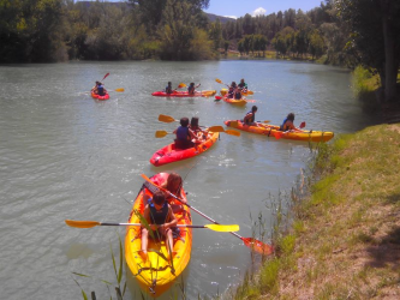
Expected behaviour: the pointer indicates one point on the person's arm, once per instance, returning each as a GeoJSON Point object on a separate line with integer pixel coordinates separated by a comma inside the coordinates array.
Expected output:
{"type": "Point", "coordinates": [173, 220]}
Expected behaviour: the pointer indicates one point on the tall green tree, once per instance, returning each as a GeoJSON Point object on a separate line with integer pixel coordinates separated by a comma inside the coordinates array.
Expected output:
{"type": "Point", "coordinates": [375, 28]}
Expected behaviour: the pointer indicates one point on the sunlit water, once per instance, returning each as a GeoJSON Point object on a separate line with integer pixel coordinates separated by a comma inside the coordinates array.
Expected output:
{"type": "Point", "coordinates": [65, 156]}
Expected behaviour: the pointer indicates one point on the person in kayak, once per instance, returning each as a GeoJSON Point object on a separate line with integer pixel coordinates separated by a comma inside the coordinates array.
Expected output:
{"type": "Point", "coordinates": [249, 118]}
{"type": "Point", "coordinates": [185, 138]}
{"type": "Point", "coordinates": [232, 90]}
{"type": "Point", "coordinates": [160, 218]}
{"type": "Point", "coordinates": [194, 126]}
{"type": "Point", "coordinates": [99, 89]}
{"type": "Point", "coordinates": [242, 85]}
{"type": "Point", "coordinates": [191, 89]}
{"type": "Point", "coordinates": [168, 88]}
{"type": "Point", "coordinates": [287, 124]}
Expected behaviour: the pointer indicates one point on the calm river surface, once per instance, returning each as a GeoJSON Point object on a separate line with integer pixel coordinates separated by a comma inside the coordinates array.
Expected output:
{"type": "Point", "coordinates": [65, 156]}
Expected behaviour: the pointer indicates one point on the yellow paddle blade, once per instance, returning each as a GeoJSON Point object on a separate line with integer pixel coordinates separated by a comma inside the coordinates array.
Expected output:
{"type": "Point", "coordinates": [120, 90]}
{"type": "Point", "coordinates": [216, 129]}
{"type": "Point", "coordinates": [166, 119]}
{"type": "Point", "coordinates": [223, 228]}
{"type": "Point", "coordinates": [82, 224]}
{"type": "Point", "coordinates": [266, 121]}
{"type": "Point", "coordinates": [218, 80]}
{"type": "Point", "coordinates": [181, 85]}
{"type": "Point", "coordinates": [232, 132]}
{"type": "Point", "coordinates": [161, 133]}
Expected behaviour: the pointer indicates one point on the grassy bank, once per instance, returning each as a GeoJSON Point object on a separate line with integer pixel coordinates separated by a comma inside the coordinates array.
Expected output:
{"type": "Point", "coordinates": [345, 241]}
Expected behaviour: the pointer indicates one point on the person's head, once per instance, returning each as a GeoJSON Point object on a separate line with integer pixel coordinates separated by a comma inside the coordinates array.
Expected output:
{"type": "Point", "coordinates": [233, 84]}
{"type": "Point", "coordinates": [242, 80]}
{"type": "Point", "coordinates": [254, 108]}
{"type": "Point", "coordinates": [194, 122]}
{"type": "Point", "coordinates": [169, 83]}
{"type": "Point", "coordinates": [192, 84]}
{"type": "Point", "coordinates": [184, 122]}
{"type": "Point", "coordinates": [98, 82]}
{"type": "Point", "coordinates": [174, 182]}
{"type": "Point", "coordinates": [159, 198]}
{"type": "Point", "coordinates": [290, 117]}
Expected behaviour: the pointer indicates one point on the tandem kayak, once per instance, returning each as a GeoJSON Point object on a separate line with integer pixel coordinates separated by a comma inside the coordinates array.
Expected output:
{"type": "Point", "coordinates": [156, 275]}
{"type": "Point", "coordinates": [106, 96]}
{"type": "Point", "coordinates": [273, 131]}
{"type": "Point", "coordinates": [185, 94]}
{"type": "Point", "coordinates": [170, 154]}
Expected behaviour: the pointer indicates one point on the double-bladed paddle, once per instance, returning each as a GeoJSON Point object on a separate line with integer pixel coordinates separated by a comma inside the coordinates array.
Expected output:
{"type": "Point", "coordinates": [169, 119]}
{"type": "Point", "coordinates": [163, 133]}
{"type": "Point", "coordinates": [252, 243]}
{"type": "Point", "coordinates": [213, 227]}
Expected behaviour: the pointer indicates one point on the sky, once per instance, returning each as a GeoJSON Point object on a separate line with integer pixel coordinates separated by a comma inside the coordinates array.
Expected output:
{"type": "Point", "coordinates": [238, 8]}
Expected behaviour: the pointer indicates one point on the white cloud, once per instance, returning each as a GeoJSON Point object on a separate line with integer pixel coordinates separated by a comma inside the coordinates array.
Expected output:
{"type": "Point", "coordinates": [259, 12]}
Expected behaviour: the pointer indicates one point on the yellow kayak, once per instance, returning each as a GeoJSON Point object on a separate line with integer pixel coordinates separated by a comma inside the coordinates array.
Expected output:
{"type": "Point", "coordinates": [157, 274]}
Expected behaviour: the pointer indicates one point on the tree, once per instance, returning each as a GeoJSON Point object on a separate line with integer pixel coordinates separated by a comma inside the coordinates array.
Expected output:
{"type": "Point", "coordinates": [375, 36]}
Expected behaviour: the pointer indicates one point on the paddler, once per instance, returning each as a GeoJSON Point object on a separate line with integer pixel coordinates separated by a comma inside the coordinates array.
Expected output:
{"type": "Point", "coordinates": [288, 124]}
{"type": "Point", "coordinates": [185, 137]}
{"type": "Point", "coordinates": [194, 126]}
{"type": "Point", "coordinates": [99, 89]}
{"type": "Point", "coordinates": [249, 118]}
{"type": "Point", "coordinates": [160, 217]}
{"type": "Point", "coordinates": [242, 86]}
{"type": "Point", "coordinates": [168, 88]}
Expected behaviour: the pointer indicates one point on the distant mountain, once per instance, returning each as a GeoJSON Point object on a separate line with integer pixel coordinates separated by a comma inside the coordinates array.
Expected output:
{"type": "Point", "coordinates": [223, 20]}
{"type": "Point", "coordinates": [211, 17]}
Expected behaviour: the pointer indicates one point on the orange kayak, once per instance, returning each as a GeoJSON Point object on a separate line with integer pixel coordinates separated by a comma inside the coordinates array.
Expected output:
{"type": "Point", "coordinates": [273, 131]}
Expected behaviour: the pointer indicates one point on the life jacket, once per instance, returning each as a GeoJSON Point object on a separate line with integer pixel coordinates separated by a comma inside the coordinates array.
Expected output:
{"type": "Point", "coordinates": [182, 134]}
{"type": "Point", "coordinates": [252, 117]}
{"type": "Point", "coordinates": [191, 89]}
{"type": "Point", "coordinates": [158, 216]}
{"type": "Point", "coordinates": [283, 127]}
{"type": "Point", "coordinates": [100, 90]}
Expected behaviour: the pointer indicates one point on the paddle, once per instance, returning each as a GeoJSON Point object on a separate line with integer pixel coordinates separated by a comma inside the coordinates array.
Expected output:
{"type": "Point", "coordinates": [169, 119]}
{"type": "Point", "coordinates": [220, 81]}
{"type": "Point", "coordinates": [163, 133]}
{"type": "Point", "coordinates": [181, 85]}
{"type": "Point", "coordinates": [279, 134]}
{"type": "Point", "coordinates": [252, 243]}
{"type": "Point", "coordinates": [105, 76]}
{"type": "Point", "coordinates": [213, 227]}
{"type": "Point", "coordinates": [119, 90]}
{"type": "Point", "coordinates": [166, 119]}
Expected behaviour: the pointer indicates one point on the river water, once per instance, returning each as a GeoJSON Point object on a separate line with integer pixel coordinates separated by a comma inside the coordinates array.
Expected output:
{"type": "Point", "coordinates": [65, 156]}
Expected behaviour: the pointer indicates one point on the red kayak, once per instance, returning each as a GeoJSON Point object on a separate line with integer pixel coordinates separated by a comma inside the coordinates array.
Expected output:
{"type": "Point", "coordinates": [170, 153]}
{"type": "Point", "coordinates": [106, 96]}
{"type": "Point", "coordinates": [185, 94]}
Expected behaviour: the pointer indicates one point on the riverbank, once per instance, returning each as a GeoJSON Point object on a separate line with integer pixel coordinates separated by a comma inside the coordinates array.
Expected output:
{"type": "Point", "coordinates": [345, 241]}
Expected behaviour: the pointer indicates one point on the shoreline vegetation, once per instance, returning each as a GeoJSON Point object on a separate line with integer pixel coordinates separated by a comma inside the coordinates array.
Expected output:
{"type": "Point", "coordinates": [344, 242]}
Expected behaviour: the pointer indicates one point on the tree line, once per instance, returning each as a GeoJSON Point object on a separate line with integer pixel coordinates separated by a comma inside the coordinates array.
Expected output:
{"type": "Point", "coordinates": [340, 32]}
